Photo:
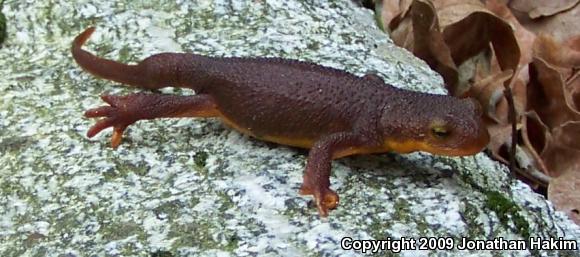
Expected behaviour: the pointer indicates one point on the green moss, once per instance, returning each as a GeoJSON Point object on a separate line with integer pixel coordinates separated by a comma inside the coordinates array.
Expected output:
{"type": "Point", "coordinates": [121, 230]}
{"type": "Point", "coordinates": [2, 24]}
{"type": "Point", "coordinates": [422, 225]}
{"type": "Point", "coordinates": [200, 159]}
{"type": "Point", "coordinates": [314, 46]}
{"type": "Point", "coordinates": [122, 168]}
{"type": "Point", "coordinates": [507, 211]}
{"type": "Point", "coordinates": [476, 228]}
{"type": "Point", "coordinates": [233, 242]}
{"type": "Point", "coordinates": [171, 208]}
{"type": "Point", "coordinates": [226, 201]}
{"type": "Point", "coordinates": [124, 54]}
{"type": "Point", "coordinates": [201, 234]}
{"type": "Point", "coordinates": [161, 254]}
{"type": "Point", "coordinates": [377, 16]}
{"type": "Point", "coordinates": [165, 6]}
{"type": "Point", "coordinates": [401, 210]}
{"type": "Point", "coordinates": [376, 227]}
{"type": "Point", "coordinates": [14, 144]}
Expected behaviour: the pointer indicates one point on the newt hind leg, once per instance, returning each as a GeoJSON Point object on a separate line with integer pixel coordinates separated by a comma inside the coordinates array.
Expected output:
{"type": "Point", "coordinates": [123, 111]}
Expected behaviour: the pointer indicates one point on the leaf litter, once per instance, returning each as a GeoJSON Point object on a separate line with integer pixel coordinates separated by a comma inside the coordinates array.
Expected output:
{"type": "Point", "coordinates": [512, 56]}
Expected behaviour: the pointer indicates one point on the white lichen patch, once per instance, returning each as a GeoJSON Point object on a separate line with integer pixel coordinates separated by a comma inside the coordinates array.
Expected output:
{"type": "Point", "coordinates": [192, 187]}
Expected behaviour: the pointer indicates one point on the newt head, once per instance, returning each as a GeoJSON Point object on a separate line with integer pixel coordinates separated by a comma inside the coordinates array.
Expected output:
{"type": "Point", "coordinates": [437, 124]}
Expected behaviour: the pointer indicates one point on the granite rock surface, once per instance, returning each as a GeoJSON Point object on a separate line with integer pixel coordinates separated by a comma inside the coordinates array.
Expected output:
{"type": "Point", "coordinates": [193, 187]}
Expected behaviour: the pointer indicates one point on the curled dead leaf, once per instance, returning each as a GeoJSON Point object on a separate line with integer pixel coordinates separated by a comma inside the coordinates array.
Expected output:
{"type": "Point", "coordinates": [535, 135]}
{"type": "Point", "coordinates": [469, 28]}
{"type": "Point", "coordinates": [573, 86]}
{"type": "Point", "coordinates": [419, 33]}
{"type": "Point", "coordinates": [563, 193]}
{"type": "Point", "coordinates": [568, 135]}
{"type": "Point", "coordinates": [488, 54]}
{"type": "Point", "coordinates": [538, 8]}
{"type": "Point", "coordinates": [547, 95]}
{"type": "Point", "coordinates": [391, 11]}
{"type": "Point", "coordinates": [447, 33]}
{"type": "Point", "coordinates": [560, 26]}
{"type": "Point", "coordinates": [556, 54]}
{"type": "Point", "coordinates": [489, 92]}
{"type": "Point", "coordinates": [500, 141]}
{"type": "Point", "coordinates": [562, 154]}
{"type": "Point", "coordinates": [524, 37]}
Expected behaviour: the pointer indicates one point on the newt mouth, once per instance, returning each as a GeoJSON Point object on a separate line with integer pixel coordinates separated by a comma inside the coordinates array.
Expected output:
{"type": "Point", "coordinates": [473, 146]}
{"type": "Point", "coordinates": [480, 143]}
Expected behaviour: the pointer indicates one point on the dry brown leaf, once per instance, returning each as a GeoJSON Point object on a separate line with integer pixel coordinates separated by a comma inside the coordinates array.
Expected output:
{"type": "Point", "coordinates": [432, 48]}
{"type": "Point", "coordinates": [561, 154]}
{"type": "Point", "coordinates": [470, 45]}
{"type": "Point", "coordinates": [520, 93]}
{"type": "Point", "coordinates": [419, 33]}
{"type": "Point", "coordinates": [525, 40]}
{"type": "Point", "coordinates": [573, 81]}
{"type": "Point", "coordinates": [563, 192]}
{"type": "Point", "coordinates": [468, 28]}
{"type": "Point", "coordinates": [500, 141]}
{"type": "Point", "coordinates": [402, 34]}
{"type": "Point", "coordinates": [560, 26]}
{"type": "Point", "coordinates": [539, 8]}
{"type": "Point", "coordinates": [519, 96]}
{"type": "Point", "coordinates": [573, 42]}
{"type": "Point", "coordinates": [573, 86]}
{"type": "Point", "coordinates": [535, 135]}
{"type": "Point", "coordinates": [452, 11]}
{"type": "Point", "coordinates": [449, 32]}
{"type": "Point", "coordinates": [489, 92]}
{"type": "Point", "coordinates": [556, 54]}
{"type": "Point", "coordinates": [502, 128]}
{"type": "Point", "coordinates": [547, 95]}
{"type": "Point", "coordinates": [498, 123]}
{"type": "Point", "coordinates": [524, 37]}
{"type": "Point", "coordinates": [391, 9]}
{"type": "Point", "coordinates": [568, 135]}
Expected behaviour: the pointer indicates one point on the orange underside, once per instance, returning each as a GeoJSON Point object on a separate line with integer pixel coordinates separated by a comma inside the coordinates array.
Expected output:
{"type": "Point", "coordinates": [307, 143]}
{"type": "Point", "coordinates": [389, 145]}
{"type": "Point", "coordinates": [297, 142]}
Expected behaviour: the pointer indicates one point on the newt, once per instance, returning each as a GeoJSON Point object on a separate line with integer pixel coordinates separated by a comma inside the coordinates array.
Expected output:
{"type": "Point", "coordinates": [329, 111]}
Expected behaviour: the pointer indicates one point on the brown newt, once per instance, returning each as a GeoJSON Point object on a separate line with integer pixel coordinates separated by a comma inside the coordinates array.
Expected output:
{"type": "Point", "coordinates": [331, 112]}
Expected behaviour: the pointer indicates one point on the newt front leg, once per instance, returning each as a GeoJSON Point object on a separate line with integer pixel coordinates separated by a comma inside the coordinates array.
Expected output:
{"type": "Point", "coordinates": [126, 110]}
{"type": "Point", "coordinates": [317, 175]}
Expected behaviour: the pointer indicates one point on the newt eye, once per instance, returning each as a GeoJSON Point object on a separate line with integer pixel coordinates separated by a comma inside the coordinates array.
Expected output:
{"type": "Point", "coordinates": [440, 132]}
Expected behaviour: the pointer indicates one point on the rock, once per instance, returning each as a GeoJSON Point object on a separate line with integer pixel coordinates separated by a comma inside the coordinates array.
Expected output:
{"type": "Point", "coordinates": [194, 187]}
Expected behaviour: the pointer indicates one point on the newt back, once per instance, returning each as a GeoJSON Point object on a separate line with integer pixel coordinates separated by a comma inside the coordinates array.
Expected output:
{"type": "Point", "coordinates": [292, 102]}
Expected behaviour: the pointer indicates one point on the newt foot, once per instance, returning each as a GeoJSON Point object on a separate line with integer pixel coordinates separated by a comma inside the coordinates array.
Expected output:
{"type": "Point", "coordinates": [325, 199]}
{"type": "Point", "coordinates": [119, 114]}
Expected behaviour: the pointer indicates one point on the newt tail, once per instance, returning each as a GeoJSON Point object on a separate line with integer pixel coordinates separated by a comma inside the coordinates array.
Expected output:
{"type": "Point", "coordinates": [107, 69]}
